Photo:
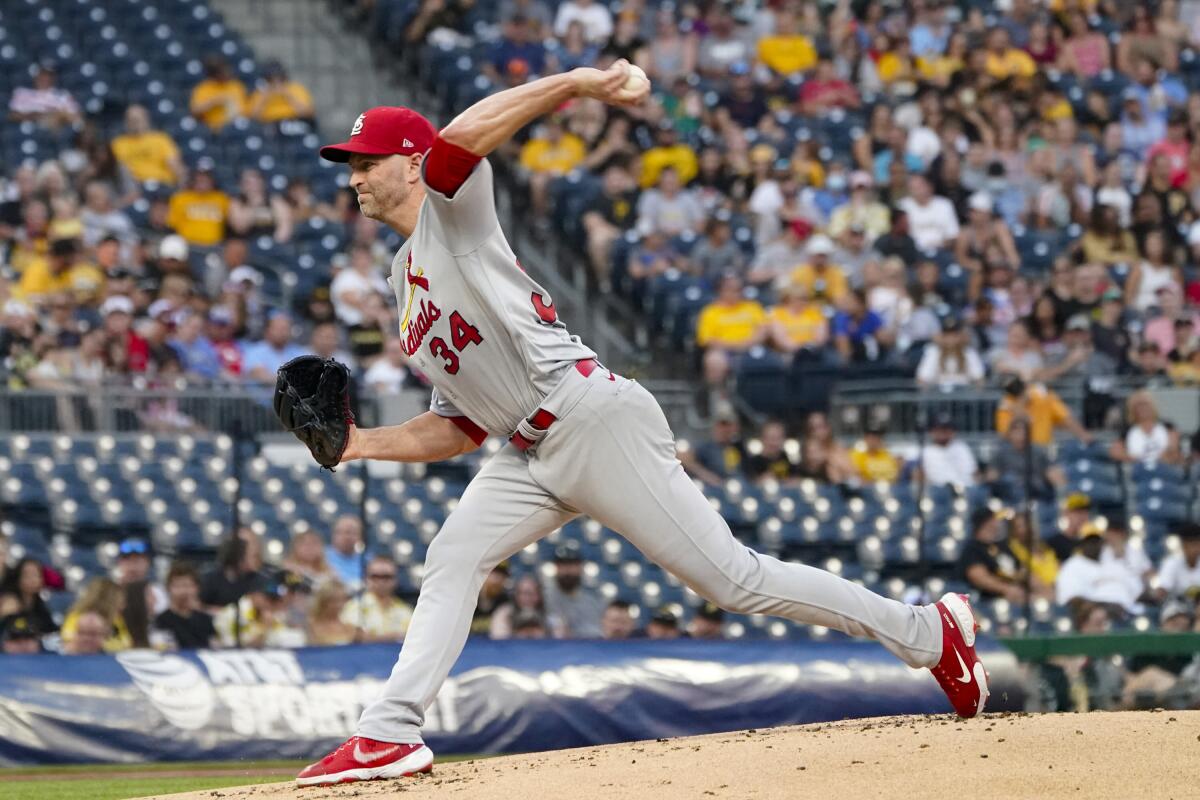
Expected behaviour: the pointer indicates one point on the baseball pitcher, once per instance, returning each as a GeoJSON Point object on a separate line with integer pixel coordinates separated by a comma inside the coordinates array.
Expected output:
{"type": "Point", "coordinates": [582, 439]}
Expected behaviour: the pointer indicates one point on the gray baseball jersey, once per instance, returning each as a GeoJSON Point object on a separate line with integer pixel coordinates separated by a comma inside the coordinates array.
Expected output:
{"type": "Point", "coordinates": [489, 340]}
{"type": "Point", "coordinates": [472, 320]}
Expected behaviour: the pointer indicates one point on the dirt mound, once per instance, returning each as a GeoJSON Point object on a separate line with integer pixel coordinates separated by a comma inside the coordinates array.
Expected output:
{"type": "Point", "coordinates": [1098, 755]}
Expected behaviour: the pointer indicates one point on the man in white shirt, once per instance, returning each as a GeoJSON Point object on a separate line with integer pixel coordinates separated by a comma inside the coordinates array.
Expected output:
{"type": "Point", "coordinates": [353, 284]}
{"type": "Point", "coordinates": [595, 17]}
{"type": "Point", "coordinates": [1120, 554]}
{"type": "Point", "coordinates": [1085, 576]}
{"type": "Point", "coordinates": [932, 220]}
{"type": "Point", "coordinates": [388, 374]}
{"type": "Point", "coordinates": [43, 103]}
{"type": "Point", "coordinates": [946, 460]}
{"type": "Point", "coordinates": [1180, 573]}
{"type": "Point", "coordinates": [377, 612]}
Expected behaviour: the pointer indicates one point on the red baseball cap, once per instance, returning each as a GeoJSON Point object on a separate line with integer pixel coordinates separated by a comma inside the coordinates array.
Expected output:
{"type": "Point", "coordinates": [384, 131]}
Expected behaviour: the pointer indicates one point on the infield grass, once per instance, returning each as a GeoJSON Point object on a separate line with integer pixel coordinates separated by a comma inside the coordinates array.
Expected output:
{"type": "Point", "coordinates": [122, 781]}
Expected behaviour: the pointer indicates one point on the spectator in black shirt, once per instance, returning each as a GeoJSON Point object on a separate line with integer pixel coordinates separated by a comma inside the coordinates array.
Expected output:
{"type": "Point", "coordinates": [986, 562]}
{"type": "Point", "coordinates": [1077, 509]}
{"type": "Point", "coordinates": [21, 593]}
{"type": "Point", "coordinates": [237, 571]}
{"type": "Point", "coordinates": [19, 635]}
{"type": "Point", "coordinates": [1173, 203]}
{"type": "Point", "coordinates": [607, 216]}
{"type": "Point", "coordinates": [723, 456]}
{"type": "Point", "coordinates": [189, 626]}
{"type": "Point", "coordinates": [772, 460]}
{"type": "Point", "coordinates": [897, 241]}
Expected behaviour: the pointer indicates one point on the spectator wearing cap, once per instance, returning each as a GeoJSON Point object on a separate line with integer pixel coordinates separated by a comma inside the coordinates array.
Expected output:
{"type": "Point", "coordinates": [1078, 360]}
{"type": "Point", "coordinates": [379, 615]}
{"type": "Point", "coordinates": [200, 212]}
{"type": "Point", "coordinates": [932, 219]}
{"type": "Point", "coordinates": [220, 333]}
{"type": "Point", "coordinates": [260, 618]}
{"type": "Point", "coordinates": [278, 98]}
{"type": "Point", "coordinates": [128, 352]}
{"type": "Point", "coordinates": [664, 625]}
{"type": "Point", "coordinates": [573, 609]}
{"type": "Point", "coordinates": [862, 209]}
{"type": "Point", "coordinates": [594, 16]}
{"type": "Point", "coordinates": [133, 566]}
{"type": "Point", "coordinates": [983, 231]}
{"type": "Point", "coordinates": [617, 622]}
{"type": "Point", "coordinates": [62, 270]}
{"type": "Point", "coordinates": [550, 153]}
{"type": "Point", "coordinates": [669, 208]}
{"type": "Point", "coordinates": [1044, 410]}
{"type": "Point", "coordinates": [781, 254]}
{"type": "Point", "coordinates": [1088, 577]}
{"type": "Point", "coordinates": [1148, 440]}
{"type": "Point", "coordinates": [43, 103]}
{"type": "Point", "coordinates": [526, 601]}
{"type": "Point", "coordinates": [220, 98]}
{"type": "Point", "coordinates": [723, 454]}
{"type": "Point", "coordinates": [1179, 573]}
{"type": "Point", "coordinates": [492, 595]}
{"type": "Point", "coordinates": [871, 459]}
{"type": "Point", "coordinates": [986, 562]}
{"type": "Point", "coordinates": [262, 359]}
{"type": "Point", "coordinates": [147, 154]}
{"type": "Point", "coordinates": [950, 360]}
{"type": "Point", "coordinates": [186, 624]}
{"type": "Point", "coordinates": [727, 327]}
{"type": "Point", "coordinates": [821, 278]}
{"type": "Point", "coordinates": [19, 635]}
{"type": "Point", "coordinates": [946, 460]}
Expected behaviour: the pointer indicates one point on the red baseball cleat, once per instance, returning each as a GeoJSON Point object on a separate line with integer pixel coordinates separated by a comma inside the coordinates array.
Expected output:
{"type": "Point", "coordinates": [960, 672]}
{"type": "Point", "coordinates": [362, 759]}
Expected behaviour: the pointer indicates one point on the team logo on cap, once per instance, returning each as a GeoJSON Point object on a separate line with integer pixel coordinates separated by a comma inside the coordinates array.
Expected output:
{"type": "Point", "coordinates": [407, 143]}
{"type": "Point", "coordinates": [358, 123]}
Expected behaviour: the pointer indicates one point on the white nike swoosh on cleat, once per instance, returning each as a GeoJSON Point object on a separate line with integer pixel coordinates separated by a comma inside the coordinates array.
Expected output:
{"type": "Point", "coordinates": [966, 675]}
{"type": "Point", "coordinates": [363, 758]}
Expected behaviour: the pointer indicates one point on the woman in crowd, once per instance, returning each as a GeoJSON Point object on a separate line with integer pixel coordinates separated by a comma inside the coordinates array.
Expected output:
{"type": "Point", "coordinates": [325, 625]}
{"type": "Point", "coordinates": [1148, 440]}
{"type": "Point", "coordinates": [21, 593]}
{"type": "Point", "coordinates": [105, 598]}
{"type": "Point", "coordinates": [526, 599]}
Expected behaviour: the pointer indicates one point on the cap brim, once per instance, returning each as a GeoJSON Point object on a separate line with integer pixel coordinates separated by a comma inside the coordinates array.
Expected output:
{"type": "Point", "coordinates": [340, 153]}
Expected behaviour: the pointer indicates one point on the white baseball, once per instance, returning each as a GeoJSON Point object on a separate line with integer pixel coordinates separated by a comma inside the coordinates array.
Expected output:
{"type": "Point", "coordinates": [636, 80]}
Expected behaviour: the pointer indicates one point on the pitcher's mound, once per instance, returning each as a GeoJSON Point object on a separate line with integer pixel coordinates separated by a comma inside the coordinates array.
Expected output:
{"type": "Point", "coordinates": [1002, 756]}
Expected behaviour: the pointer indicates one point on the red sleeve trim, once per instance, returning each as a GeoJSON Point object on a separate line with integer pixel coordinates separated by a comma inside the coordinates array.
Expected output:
{"type": "Point", "coordinates": [447, 166]}
{"type": "Point", "coordinates": [476, 433]}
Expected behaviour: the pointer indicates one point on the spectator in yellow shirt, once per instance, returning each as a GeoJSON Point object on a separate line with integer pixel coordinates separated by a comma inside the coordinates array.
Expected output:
{"type": "Point", "coordinates": [728, 326]}
{"type": "Point", "coordinates": [668, 151]}
{"type": "Point", "coordinates": [199, 213]}
{"type": "Point", "coordinates": [220, 97]}
{"type": "Point", "coordinates": [871, 459]}
{"type": "Point", "coordinates": [279, 98]}
{"type": "Point", "coordinates": [1042, 408]}
{"type": "Point", "coordinates": [787, 51]}
{"type": "Point", "coordinates": [797, 322]}
{"type": "Point", "coordinates": [1004, 61]}
{"type": "Point", "coordinates": [550, 154]}
{"type": "Point", "coordinates": [147, 154]}
{"type": "Point", "coordinates": [823, 280]}
{"type": "Point", "coordinates": [897, 65]}
{"type": "Point", "coordinates": [61, 270]}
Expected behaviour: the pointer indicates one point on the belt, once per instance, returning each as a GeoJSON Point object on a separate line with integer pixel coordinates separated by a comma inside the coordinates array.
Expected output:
{"type": "Point", "coordinates": [539, 421]}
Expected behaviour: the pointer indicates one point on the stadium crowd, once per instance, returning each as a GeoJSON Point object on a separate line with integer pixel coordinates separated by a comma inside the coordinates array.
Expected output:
{"type": "Point", "coordinates": [974, 193]}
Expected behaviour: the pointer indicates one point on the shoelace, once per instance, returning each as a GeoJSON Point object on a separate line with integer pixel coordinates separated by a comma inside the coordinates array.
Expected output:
{"type": "Point", "coordinates": [343, 746]}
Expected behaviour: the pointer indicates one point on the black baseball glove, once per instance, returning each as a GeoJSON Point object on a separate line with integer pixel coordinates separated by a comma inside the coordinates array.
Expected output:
{"type": "Point", "coordinates": [312, 400]}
